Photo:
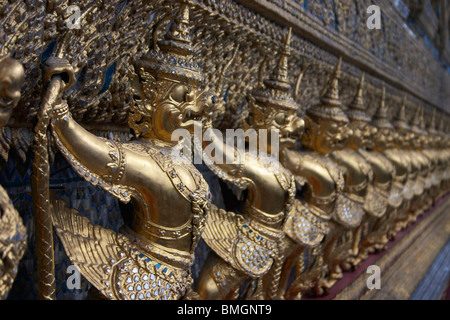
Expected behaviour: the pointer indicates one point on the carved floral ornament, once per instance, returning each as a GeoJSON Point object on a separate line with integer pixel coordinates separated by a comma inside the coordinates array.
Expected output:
{"type": "Point", "coordinates": [107, 97]}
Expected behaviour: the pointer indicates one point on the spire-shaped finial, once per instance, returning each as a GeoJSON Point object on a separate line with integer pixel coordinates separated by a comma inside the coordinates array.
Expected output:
{"type": "Point", "coordinates": [422, 120]}
{"type": "Point", "coordinates": [432, 125]}
{"type": "Point", "coordinates": [358, 100]}
{"type": "Point", "coordinates": [332, 91]}
{"type": "Point", "coordinates": [441, 125]}
{"type": "Point", "coordinates": [380, 119]}
{"type": "Point", "coordinates": [279, 78]}
{"type": "Point", "coordinates": [330, 104]}
{"type": "Point", "coordinates": [400, 118]}
{"type": "Point", "coordinates": [178, 38]}
{"type": "Point", "coordinates": [357, 109]}
{"type": "Point", "coordinates": [415, 121]}
{"type": "Point", "coordinates": [276, 94]}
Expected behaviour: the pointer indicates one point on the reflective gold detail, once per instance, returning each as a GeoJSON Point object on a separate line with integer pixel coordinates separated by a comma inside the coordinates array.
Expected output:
{"type": "Point", "coordinates": [13, 240]}
{"type": "Point", "coordinates": [164, 230]}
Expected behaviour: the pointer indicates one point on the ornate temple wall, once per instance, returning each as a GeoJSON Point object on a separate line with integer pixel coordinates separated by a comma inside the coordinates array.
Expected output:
{"type": "Point", "coordinates": [233, 43]}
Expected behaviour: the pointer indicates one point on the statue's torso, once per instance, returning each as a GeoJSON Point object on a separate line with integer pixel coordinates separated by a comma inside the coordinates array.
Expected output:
{"type": "Point", "coordinates": [181, 184]}
{"type": "Point", "coordinates": [271, 188]}
{"type": "Point", "coordinates": [383, 169]}
{"type": "Point", "coordinates": [324, 179]}
{"type": "Point", "coordinates": [358, 171]}
{"type": "Point", "coordinates": [401, 163]}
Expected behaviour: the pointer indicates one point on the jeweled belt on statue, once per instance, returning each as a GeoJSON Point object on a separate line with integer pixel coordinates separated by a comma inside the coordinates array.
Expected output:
{"type": "Point", "coordinates": [396, 195]}
{"type": "Point", "coordinates": [408, 192]}
{"type": "Point", "coordinates": [348, 212]}
{"type": "Point", "coordinates": [376, 202]}
{"type": "Point", "coordinates": [418, 186]}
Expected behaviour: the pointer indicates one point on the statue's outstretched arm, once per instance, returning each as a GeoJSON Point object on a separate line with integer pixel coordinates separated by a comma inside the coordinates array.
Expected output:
{"type": "Point", "coordinates": [102, 162]}
{"type": "Point", "coordinates": [97, 154]}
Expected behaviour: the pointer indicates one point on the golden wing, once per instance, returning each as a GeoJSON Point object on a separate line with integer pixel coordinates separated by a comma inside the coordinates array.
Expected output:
{"type": "Point", "coordinates": [220, 231]}
{"type": "Point", "coordinates": [118, 268]}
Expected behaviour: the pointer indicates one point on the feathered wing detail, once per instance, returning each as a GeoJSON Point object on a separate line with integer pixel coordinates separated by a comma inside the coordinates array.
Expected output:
{"type": "Point", "coordinates": [240, 242]}
{"type": "Point", "coordinates": [221, 228]}
{"type": "Point", "coordinates": [118, 268]}
{"type": "Point", "coordinates": [91, 248]}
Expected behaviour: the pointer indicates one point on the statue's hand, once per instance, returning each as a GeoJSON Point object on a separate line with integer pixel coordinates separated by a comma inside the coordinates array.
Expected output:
{"type": "Point", "coordinates": [58, 76]}
{"type": "Point", "coordinates": [54, 66]}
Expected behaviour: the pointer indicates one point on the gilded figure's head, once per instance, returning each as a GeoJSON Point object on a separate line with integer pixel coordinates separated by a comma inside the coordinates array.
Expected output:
{"type": "Point", "coordinates": [326, 125]}
{"type": "Point", "coordinates": [12, 77]}
{"type": "Point", "coordinates": [167, 94]}
{"type": "Point", "coordinates": [386, 134]}
{"type": "Point", "coordinates": [363, 132]}
{"type": "Point", "coordinates": [273, 107]}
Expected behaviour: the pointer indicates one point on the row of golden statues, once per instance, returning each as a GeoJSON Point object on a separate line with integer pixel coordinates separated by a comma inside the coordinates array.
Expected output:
{"type": "Point", "coordinates": [354, 182]}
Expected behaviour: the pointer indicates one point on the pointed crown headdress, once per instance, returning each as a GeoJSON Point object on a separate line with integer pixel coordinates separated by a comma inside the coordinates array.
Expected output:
{"type": "Point", "coordinates": [416, 121]}
{"type": "Point", "coordinates": [432, 125]}
{"type": "Point", "coordinates": [357, 109]}
{"type": "Point", "coordinates": [276, 93]}
{"type": "Point", "coordinates": [172, 57]}
{"type": "Point", "coordinates": [380, 119]}
{"type": "Point", "coordinates": [400, 118]}
{"type": "Point", "coordinates": [330, 103]}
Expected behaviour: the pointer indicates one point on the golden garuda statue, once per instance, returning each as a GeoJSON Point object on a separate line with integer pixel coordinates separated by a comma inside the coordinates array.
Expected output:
{"type": "Point", "coordinates": [152, 255]}
{"type": "Point", "coordinates": [248, 244]}
{"type": "Point", "coordinates": [324, 194]}
{"type": "Point", "coordinates": [428, 162]}
{"type": "Point", "coordinates": [422, 183]}
{"type": "Point", "coordinates": [433, 155]}
{"type": "Point", "coordinates": [360, 184]}
{"type": "Point", "coordinates": [384, 174]}
{"type": "Point", "coordinates": [274, 107]}
{"type": "Point", "coordinates": [405, 170]}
